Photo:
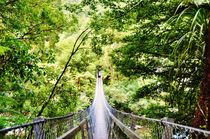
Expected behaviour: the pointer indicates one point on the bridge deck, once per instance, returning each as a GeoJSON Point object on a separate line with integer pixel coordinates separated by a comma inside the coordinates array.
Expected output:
{"type": "Point", "coordinates": [100, 115]}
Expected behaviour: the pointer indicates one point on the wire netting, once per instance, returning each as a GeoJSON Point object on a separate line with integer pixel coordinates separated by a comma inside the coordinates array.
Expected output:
{"type": "Point", "coordinates": [47, 128]}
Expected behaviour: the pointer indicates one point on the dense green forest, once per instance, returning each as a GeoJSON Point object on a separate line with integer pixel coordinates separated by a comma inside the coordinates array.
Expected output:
{"type": "Point", "coordinates": [154, 55]}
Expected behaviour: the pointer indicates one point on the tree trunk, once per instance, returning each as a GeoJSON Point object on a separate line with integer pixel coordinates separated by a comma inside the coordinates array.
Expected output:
{"type": "Point", "coordinates": [202, 115]}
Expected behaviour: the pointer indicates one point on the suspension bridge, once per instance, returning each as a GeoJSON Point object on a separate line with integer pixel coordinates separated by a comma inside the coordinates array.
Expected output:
{"type": "Point", "coordinates": [101, 121]}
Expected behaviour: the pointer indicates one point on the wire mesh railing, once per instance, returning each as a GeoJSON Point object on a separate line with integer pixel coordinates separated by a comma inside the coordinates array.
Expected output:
{"type": "Point", "coordinates": [149, 128]}
{"type": "Point", "coordinates": [49, 128]}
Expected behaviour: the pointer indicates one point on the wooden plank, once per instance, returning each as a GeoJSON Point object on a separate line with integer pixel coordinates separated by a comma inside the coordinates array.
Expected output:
{"type": "Point", "coordinates": [131, 134]}
{"type": "Point", "coordinates": [71, 133]}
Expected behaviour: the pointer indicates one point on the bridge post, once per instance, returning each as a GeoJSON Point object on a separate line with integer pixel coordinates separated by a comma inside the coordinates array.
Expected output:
{"type": "Point", "coordinates": [88, 124]}
{"type": "Point", "coordinates": [111, 132]}
{"type": "Point", "coordinates": [39, 132]}
{"type": "Point", "coordinates": [133, 122]}
{"type": "Point", "coordinates": [82, 127]}
{"type": "Point", "coordinates": [71, 122]}
{"type": "Point", "coordinates": [168, 130]}
{"type": "Point", "coordinates": [88, 129]}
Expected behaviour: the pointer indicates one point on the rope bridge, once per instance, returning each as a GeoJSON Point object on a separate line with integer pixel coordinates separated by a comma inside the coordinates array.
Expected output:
{"type": "Point", "coordinates": [101, 121]}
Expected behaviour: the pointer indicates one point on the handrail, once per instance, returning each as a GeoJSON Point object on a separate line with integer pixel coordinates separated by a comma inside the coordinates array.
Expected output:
{"type": "Point", "coordinates": [131, 134]}
{"type": "Point", "coordinates": [60, 117]}
{"type": "Point", "coordinates": [48, 127]}
{"type": "Point", "coordinates": [164, 122]}
{"type": "Point", "coordinates": [125, 129]}
{"type": "Point", "coordinates": [69, 134]}
{"type": "Point", "coordinates": [21, 126]}
{"type": "Point", "coordinates": [35, 122]}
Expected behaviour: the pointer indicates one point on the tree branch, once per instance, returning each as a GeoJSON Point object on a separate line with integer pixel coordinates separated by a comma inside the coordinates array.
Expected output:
{"type": "Point", "coordinates": [61, 75]}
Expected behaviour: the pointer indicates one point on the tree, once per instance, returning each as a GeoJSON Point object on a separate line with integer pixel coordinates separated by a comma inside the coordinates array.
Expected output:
{"type": "Point", "coordinates": [201, 21]}
{"type": "Point", "coordinates": [196, 43]}
{"type": "Point", "coordinates": [25, 27]}
{"type": "Point", "coordinates": [164, 41]}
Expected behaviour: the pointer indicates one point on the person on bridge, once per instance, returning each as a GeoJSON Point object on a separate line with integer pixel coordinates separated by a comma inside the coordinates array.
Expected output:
{"type": "Point", "coordinates": [99, 74]}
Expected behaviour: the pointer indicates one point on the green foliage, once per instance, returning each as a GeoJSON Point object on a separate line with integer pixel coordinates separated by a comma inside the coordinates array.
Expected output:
{"type": "Point", "coordinates": [151, 52]}
{"type": "Point", "coordinates": [163, 41]}
{"type": "Point", "coordinates": [29, 63]}
{"type": "Point", "coordinates": [25, 25]}
{"type": "Point", "coordinates": [11, 120]}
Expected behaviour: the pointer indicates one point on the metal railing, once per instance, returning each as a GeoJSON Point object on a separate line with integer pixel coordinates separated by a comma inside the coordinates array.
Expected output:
{"type": "Point", "coordinates": [149, 128]}
{"type": "Point", "coordinates": [120, 125]}
{"type": "Point", "coordinates": [50, 128]}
